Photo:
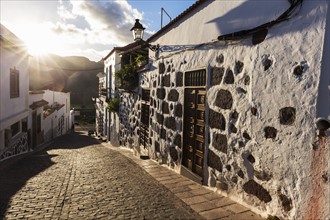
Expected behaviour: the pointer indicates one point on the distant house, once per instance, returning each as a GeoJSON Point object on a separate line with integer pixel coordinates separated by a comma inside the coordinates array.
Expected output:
{"type": "Point", "coordinates": [14, 93]}
{"type": "Point", "coordinates": [233, 94]}
{"type": "Point", "coordinates": [50, 115]}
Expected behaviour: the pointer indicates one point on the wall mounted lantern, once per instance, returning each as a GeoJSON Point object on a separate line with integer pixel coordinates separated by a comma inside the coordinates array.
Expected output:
{"type": "Point", "coordinates": [138, 31]}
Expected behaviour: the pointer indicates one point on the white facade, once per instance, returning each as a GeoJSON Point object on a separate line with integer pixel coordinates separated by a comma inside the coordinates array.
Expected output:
{"type": "Point", "coordinates": [111, 65]}
{"type": "Point", "coordinates": [265, 163]}
{"type": "Point", "coordinates": [101, 104]}
{"type": "Point", "coordinates": [13, 110]}
{"type": "Point", "coordinates": [58, 122]}
{"type": "Point", "coordinates": [50, 115]}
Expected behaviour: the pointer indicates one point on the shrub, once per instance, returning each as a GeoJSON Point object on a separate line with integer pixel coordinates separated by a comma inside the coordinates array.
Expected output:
{"type": "Point", "coordinates": [113, 105]}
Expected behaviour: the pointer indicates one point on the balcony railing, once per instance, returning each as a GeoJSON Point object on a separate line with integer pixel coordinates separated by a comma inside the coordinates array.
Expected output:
{"type": "Point", "coordinates": [17, 146]}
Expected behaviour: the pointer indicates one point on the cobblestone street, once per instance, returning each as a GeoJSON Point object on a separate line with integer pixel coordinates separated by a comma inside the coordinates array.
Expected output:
{"type": "Point", "coordinates": [76, 177]}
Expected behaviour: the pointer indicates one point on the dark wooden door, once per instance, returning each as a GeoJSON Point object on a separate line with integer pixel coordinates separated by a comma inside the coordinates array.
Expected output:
{"type": "Point", "coordinates": [144, 125]}
{"type": "Point", "coordinates": [194, 130]}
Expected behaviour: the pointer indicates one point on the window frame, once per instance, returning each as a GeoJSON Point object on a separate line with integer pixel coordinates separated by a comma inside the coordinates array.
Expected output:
{"type": "Point", "coordinates": [14, 83]}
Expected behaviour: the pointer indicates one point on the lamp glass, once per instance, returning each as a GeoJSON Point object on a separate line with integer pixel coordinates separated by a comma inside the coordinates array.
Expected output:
{"type": "Point", "coordinates": [138, 34]}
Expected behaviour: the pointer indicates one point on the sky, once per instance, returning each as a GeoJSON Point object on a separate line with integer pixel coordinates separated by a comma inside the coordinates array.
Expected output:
{"type": "Point", "coordinates": [89, 28]}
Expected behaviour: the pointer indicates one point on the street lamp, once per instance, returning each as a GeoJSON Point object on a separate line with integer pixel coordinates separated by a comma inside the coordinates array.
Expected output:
{"type": "Point", "coordinates": [138, 30]}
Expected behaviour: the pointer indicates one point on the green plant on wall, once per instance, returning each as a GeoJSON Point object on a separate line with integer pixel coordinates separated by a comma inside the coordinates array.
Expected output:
{"type": "Point", "coordinates": [113, 105]}
{"type": "Point", "coordinates": [140, 60]}
{"type": "Point", "coordinates": [128, 75]}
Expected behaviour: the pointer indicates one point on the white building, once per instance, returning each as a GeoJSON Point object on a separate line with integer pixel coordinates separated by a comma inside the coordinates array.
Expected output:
{"type": "Point", "coordinates": [112, 63]}
{"type": "Point", "coordinates": [14, 87]}
{"type": "Point", "coordinates": [50, 115]}
{"type": "Point", "coordinates": [36, 117]}
{"type": "Point", "coordinates": [234, 96]}
{"type": "Point", "coordinates": [57, 117]}
{"type": "Point", "coordinates": [100, 106]}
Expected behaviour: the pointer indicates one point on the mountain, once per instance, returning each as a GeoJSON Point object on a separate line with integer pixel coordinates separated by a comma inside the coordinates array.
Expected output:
{"type": "Point", "coordinates": [73, 74]}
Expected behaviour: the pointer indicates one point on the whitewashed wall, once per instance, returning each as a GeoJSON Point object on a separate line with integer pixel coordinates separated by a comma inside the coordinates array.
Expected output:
{"type": "Point", "coordinates": [50, 123]}
{"type": "Point", "coordinates": [13, 54]}
{"type": "Point", "coordinates": [267, 163]}
{"type": "Point", "coordinates": [12, 110]}
{"type": "Point", "coordinates": [111, 66]}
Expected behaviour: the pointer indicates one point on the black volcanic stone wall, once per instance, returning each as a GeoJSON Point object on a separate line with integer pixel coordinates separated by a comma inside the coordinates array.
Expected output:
{"type": "Point", "coordinates": [217, 120]}
{"type": "Point", "coordinates": [160, 118]}
{"type": "Point", "coordinates": [173, 95]}
{"type": "Point", "coordinates": [177, 140]}
{"type": "Point", "coordinates": [214, 161]}
{"type": "Point", "coordinates": [161, 68]}
{"type": "Point", "coordinates": [179, 79]}
{"type": "Point", "coordinates": [270, 132]}
{"type": "Point", "coordinates": [161, 93]}
{"type": "Point", "coordinates": [166, 81]}
{"type": "Point", "coordinates": [239, 67]}
{"type": "Point", "coordinates": [287, 115]}
{"type": "Point", "coordinates": [174, 154]}
{"type": "Point", "coordinates": [178, 110]}
{"type": "Point", "coordinates": [252, 187]}
{"type": "Point", "coordinates": [165, 108]}
{"type": "Point", "coordinates": [220, 142]}
{"type": "Point", "coordinates": [216, 75]}
{"type": "Point", "coordinates": [224, 99]}
{"type": "Point", "coordinates": [170, 123]}
{"type": "Point", "coordinates": [163, 134]}
{"type": "Point", "coordinates": [229, 79]}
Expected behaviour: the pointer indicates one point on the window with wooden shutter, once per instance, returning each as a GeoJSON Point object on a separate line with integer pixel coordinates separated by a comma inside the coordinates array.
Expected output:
{"type": "Point", "coordinates": [14, 83]}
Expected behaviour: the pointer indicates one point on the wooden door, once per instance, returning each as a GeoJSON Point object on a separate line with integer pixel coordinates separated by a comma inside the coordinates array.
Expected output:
{"type": "Point", "coordinates": [144, 125]}
{"type": "Point", "coordinates": [194, 130]}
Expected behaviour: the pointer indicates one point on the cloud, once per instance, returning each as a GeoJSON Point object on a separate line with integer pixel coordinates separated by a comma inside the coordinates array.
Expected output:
{"type": "Point", "coordinates": [64, 10]}
{"type": "Point", "coordinates": [109, 22]}
{"type": "Point", "coordinates": [96, 24]}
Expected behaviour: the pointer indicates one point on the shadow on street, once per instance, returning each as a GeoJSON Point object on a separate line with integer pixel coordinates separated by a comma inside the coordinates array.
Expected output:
{"type": "Point", "coordinates": [14, 176]}
{"type": "Point", "coordinates": [74, 140]}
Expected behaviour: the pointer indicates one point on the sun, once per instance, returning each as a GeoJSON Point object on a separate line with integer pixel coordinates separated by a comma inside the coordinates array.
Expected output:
{"type": "Point", "coordinates": [42, 45]}
{"type": "Point", "coordinates": [38, 48]}
{"type": "Point", "coordinates": [42, 41]}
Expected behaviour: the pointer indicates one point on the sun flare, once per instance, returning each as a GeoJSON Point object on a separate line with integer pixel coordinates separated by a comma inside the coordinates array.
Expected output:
{"type": "Point", "coordinates": [40, 40]}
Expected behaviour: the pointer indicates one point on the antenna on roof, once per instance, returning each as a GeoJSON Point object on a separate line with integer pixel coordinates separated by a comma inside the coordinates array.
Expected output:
{"type": "Point", "coordinates": [163, 10]}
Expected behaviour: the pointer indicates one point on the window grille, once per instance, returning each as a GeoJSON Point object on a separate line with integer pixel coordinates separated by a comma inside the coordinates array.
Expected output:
{"type": "Point", "coordinates": [195, 78]}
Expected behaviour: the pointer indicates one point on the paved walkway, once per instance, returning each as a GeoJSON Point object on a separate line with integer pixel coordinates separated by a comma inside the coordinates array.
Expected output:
{"type": "Point", "coordinates": [207, 203]}
{"type": "Point", "coordinates": [78, 177]}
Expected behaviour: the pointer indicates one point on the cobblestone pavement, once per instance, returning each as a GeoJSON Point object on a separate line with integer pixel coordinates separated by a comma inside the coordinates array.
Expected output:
{"type": "Point", "coordinates": [78, 178]}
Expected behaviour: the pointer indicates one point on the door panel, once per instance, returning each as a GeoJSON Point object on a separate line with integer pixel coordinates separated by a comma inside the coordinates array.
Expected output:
{"type": "Point", "coordinates": [194, 130]}
{"type": "Point", "coordinates": [145, 116]}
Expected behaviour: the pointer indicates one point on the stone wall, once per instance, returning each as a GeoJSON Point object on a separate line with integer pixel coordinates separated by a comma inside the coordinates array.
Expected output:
{"type": "Point", "coordinates": [129, 115]}
{"type": "Point", "coordinates": [262, 146]}
{"type": "Point", "coordinates": [166, 114]}
{"type": "Point", "coordinates": [260, 128]}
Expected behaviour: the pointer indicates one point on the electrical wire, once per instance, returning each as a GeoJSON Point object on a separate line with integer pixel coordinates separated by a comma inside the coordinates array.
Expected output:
{"type": "Point", "coordinates": [288, 14]}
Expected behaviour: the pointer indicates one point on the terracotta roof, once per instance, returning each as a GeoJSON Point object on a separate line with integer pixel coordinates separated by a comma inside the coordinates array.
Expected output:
{"type": "Point", "coordinates": [38, 104]}
{"type": "Point", "coordinates": [128, 47]}
{"type": "Point", "coordinates": [36, 92]}
{"type": "Point", "coordinates": [178, 18]}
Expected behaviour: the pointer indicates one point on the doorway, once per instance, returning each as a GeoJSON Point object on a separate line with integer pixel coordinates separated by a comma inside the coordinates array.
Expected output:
{"type": "Point", "coordinates": [194, 124]}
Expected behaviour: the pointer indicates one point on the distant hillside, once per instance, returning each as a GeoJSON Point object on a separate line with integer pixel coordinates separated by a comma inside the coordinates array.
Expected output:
{"type": "Point", "coordinates": [68, 74]}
